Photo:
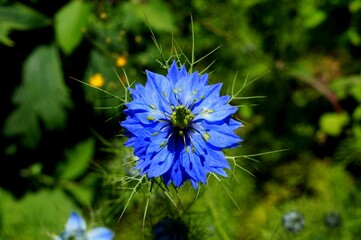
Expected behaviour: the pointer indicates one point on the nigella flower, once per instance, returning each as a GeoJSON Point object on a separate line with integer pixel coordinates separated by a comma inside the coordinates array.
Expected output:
{"type": "Point", "coordinates": [293, 221]}
{"type": "Point", "coordinates": [178, 126]}
{"type": "Point", "coordinates": [332, 219]}
{"type": "Point", "coordinates": [75, 229]}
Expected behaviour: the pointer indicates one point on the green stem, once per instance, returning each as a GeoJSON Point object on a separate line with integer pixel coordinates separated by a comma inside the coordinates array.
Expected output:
{"type": "Point", "coordinates": [217, 221]}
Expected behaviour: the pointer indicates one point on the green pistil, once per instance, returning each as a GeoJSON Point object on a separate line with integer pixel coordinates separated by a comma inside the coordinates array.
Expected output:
{"type": "Point", "coordinates": [181, 118]}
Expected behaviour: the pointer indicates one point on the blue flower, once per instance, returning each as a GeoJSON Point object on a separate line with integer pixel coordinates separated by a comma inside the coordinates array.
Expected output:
{"type": "Point", "coordinates": [178, 126]}
{"type": "Point", "coordinates": [333, 219]}
{"type": "Point", "coordinates": [75, 229]}
{"type": "Point", "coordinates": [293, 221]}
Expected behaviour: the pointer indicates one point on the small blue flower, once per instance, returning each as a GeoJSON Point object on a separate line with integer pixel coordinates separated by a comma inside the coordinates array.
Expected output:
{"type": "Point", "coordinates": [178, 126]}
{"type": "Point", "coordinates": [75, 229]}
{"type": "Point", "coordinates": [333, 219]}
{"type": "Point", "coordinates": [293, 221]}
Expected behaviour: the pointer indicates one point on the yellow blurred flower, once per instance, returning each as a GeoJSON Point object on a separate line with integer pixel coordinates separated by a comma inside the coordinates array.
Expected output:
{"type": "Point", "coordinates": [103, 15]}
{"type": "Point", "coordinates": [138, 39]}
{"type": "Point", "coordinates": [121, 61]}
{"type": "Point", "coordinates": [96, 80]}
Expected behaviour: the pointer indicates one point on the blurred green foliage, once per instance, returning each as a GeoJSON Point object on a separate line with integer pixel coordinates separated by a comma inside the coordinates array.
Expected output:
{"type": "Point", "coordinates": [60, 142]}
{"type": "Point", "coordinates": [42, 96]}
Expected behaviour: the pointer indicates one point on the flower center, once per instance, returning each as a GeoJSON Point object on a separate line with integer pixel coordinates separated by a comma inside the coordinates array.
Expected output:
{"type": "Point", "coordinates": [181, 117]}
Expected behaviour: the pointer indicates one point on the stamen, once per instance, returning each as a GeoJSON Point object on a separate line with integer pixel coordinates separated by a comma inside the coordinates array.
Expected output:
{"type": "Point", "coordinates": [206, 136]}
{"type": "Point", "coordinates": [163, 143]}
{"type": "Point", "coordinates": [151, 118]}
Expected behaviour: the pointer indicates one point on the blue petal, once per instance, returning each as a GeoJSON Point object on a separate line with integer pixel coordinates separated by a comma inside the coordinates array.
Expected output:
{"type": "Point", "coordinates": [220, 136]}
{"type": "Point", "coordinates": [176, 175]}
{"type": "Point", "coordinates": [133, 125]}
{"type": "Point", "coordinates": [213, 158]}
{"type": "Point", "coordinates": [143, 165]}
{"type": "Point", "coordinates": [137, 92]}
{"type": "Point", "coordinates": [194, 183]}
{"type": "Point", "coordinates": [174, 74]}
{"type": "Point", "coordinates": [137, 128]}
{"type": "Point", "coordinates": [161, 157]}
{"type": "Point", "coordinates": [224, 99]}
{"type": "Point", "coordinates": [203, 79]}
{"type": "Point", "coordinates": [150, 118]}
{"type": "Point", "coordinates": [215, 113]}
{"type": "Point", "coordinates": [216, 159]}
{"type": "Point", "coordinates": [140, 145]}
{"type": "Point", "coordinates": [233, 124]}
{"type": "Point", "coordinates": [141, 142]}
{"type": "Point", "coordinates": [100, 233]}
{"type": "Point", "coordinates": [75, 223]}
{"type": "Point", "coordinates": [188, 87]}
{"type": "Point", "coordinates": [219, 171]}
{"type": "Point", "coordinates": [207, 97]}
{"type": "Point", "coordinates": [162, 85]}
{"type": "Point", "coordinates": [194, 165]}
{"type": "Point", "coordinates": [146, 112]}
{"type": "Point", "coordinates": [150, 98]}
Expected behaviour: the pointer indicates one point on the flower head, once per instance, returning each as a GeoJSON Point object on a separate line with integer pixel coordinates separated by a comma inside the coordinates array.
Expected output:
{"type": "Point", "coordinates": [75, 229]}
{"type": "Point", "coordinates": [293, 221]}
{"type": "Point", "coordinates": [96, 80]}
{"type": "Point", "coordinates": [332, 219]}
{"type": "Point", "coordinates": [121, 61]}
{"type": "Point", "coordinates": [178, 126]}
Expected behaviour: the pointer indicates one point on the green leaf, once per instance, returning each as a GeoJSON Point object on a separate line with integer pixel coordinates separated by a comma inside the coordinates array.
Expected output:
{"type": "Point", "coordinates": [78, 159]}
{"type": "Point", "coordinates": [333, 123]}
{"type": "Point", "coordinates": [42, 96]}
{"type": "Point", "coordinates": [356, 115]}
{"type": "Point", "coordinates": [355, 6]}
{"type": "Point", "coordinates": [313, 18]}
{"type": "Point", "coordinates": [154, 13]}
{"type": "Point", "coordinates": [29, 130]}
{"type": "Point", "coordinates": [36, 216]}
{"type": "Point", "coordinates": [354, 36]}
{"type": "Point", "coordinates": [19, 17]}
{"type": "Point", "coordinates": [355, 91]}
{"type": "Point", "coordinates": [83, 192]}
{"type": "Point", "coordinates": [70, 21]}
